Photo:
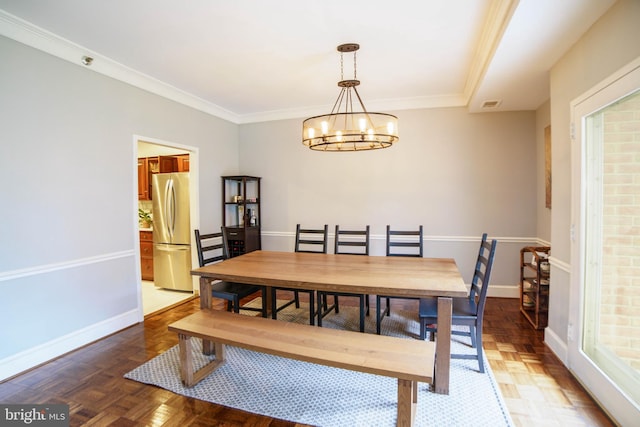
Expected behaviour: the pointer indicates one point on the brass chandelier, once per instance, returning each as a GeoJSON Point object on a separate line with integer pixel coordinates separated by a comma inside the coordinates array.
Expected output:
{"type": "Point", "coordinates": [346, 130]}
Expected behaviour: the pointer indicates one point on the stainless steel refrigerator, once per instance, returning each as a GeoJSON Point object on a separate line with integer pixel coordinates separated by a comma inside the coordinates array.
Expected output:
{"type": "Point", "coordinates": [171, 231]}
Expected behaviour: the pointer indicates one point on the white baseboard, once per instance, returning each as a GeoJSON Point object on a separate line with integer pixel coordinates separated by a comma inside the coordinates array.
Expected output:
{"type": "Point", "coordinates": [556, 345]}
{"type": "Point", "coordinates": [30, 358]}
{"type": "Point", "coordinates": [503, 291]}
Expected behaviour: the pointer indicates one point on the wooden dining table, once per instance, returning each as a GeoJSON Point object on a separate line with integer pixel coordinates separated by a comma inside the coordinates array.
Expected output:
{"type": "Point", "coordinates": [374, 275]}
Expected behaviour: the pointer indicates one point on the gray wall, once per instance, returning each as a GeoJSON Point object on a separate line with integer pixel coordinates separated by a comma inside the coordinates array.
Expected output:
{"type": "Point", "coordinates": [457, 174]}
{"type": "Point", "coordinates": [68, 224]}
{"type": "Point", "coordinates": [611, 43]}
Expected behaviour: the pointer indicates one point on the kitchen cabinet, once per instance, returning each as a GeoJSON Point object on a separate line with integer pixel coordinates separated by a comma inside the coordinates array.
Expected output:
{"type": "Point", "coordinates": [168, 164]}
{"type": "Point", "coordinates": [534, 285]}
{"type": "Point", "coordinates": [241, 213]}
{"type": "Point", "coordinates": [143, 179]}
{"type": "Point", "coordinates": [183, 163]}
{"type": "Point", "coordinates": [148, 166]}
{"type": "Point", "coordinates": [146, 255]}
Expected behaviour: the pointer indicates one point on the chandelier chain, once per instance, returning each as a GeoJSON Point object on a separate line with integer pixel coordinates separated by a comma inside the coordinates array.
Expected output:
{"type": "Point", "coordinates": [355, 66]}
{"type": "Point", "coordinates": [355, 73]}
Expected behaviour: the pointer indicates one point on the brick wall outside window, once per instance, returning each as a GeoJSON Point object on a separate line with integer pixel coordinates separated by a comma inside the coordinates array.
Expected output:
{"type": "Point", "coordinates": [620, 298]}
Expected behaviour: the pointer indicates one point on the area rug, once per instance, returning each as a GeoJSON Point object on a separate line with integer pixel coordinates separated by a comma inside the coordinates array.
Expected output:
{"type": "Point", "coordinates": [322, 396]}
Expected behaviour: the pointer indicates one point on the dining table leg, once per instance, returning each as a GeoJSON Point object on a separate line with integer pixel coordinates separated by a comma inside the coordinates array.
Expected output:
{"type": "Point", "coordinates": [205, 292]}
{"type": "Point", "coordinates": [443, 346]}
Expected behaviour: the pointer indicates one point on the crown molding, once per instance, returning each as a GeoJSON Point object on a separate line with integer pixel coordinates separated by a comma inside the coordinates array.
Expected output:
{"type": "Point", "coordinates": [498, 19]}
{"type": "Point", "coordinates": [31, 35]}
{"type": "Point", "coordinates": [396, 104]}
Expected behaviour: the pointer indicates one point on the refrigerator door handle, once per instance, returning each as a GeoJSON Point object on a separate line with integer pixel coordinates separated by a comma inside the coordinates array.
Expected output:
{"type": "Point", "coordinates": [173, 208]}
{"type": "Point", "coordinates": [168, 220]}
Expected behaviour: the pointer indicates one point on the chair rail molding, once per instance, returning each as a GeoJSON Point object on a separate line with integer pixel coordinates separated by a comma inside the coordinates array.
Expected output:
{"type": "Point", "coordinates": [426, 238]}
{"type": "Point", "coordinates": [555, 262]}
{"type": "Point", "coordinates": [47, 268]}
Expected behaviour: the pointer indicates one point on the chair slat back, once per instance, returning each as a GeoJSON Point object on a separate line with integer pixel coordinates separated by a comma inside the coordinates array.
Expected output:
{"type": "Point", "coordinates": [353, 242]}
{"type": "Point", "coordinates": [312, 240]}
{"type": "Point", "coordinates": [210, 248]}
{"type": "Point", "coordinates": [482, 273]}
{"type": "Point", "coordinates": [407, 243]}
{"type": "Point", "coordinates": [225, 242]}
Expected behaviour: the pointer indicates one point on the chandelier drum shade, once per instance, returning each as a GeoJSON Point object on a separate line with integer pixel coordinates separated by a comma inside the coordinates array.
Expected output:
{"type": "Point", "coordinates": [345, 129]}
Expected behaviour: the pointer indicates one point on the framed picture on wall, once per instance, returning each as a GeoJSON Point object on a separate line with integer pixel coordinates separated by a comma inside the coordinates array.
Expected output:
{"type": "Point", "coordinates": [547, 166]}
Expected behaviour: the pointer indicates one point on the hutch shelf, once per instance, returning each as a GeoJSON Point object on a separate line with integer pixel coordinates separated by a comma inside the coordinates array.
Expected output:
{"type": "Point", "coordinates": [534, 285]}
{"type": "Point", "coordinates": [241, 213]}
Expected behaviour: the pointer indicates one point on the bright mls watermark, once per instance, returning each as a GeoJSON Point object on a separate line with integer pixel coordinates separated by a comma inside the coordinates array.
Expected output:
{"type": "Point", "coordinates": [34, 415]}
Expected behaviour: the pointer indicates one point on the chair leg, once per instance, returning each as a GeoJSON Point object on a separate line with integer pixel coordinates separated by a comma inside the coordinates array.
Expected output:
{"type": "Point", "coordinates": [263, 293]}
{"type": "Point", "coordinates": [423, 329]}
{"type": "Point", "coordinates": [367, 302]}
{"type": "Point", "coordinates": [388, 309]}
{"type": "Point", "coordinates": [472, 333]}
{"type": "Point", "coordinates": [335, 302]}
{"type": "Point", "coordinates": [378, 317]}
{"type": "Point", "coordinates": [229, 305]}
{"type": "Point", "coordinates": [361, 313]}
{"type": "Point", "coordinates": [479, 348]}
{"type": "Point", "coordinates": [312, 313]}
{"type": "Point", "coordinates": [236, 304]}
{"type": "Point", "coordinates": [296, 297]}
{"type": "Point", "coordinates": [274, 304]}
{"type": "Point", "coordinates": [322, 301]}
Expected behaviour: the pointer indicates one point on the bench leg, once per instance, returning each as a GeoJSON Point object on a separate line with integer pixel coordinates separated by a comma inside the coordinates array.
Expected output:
{"type": "Point", "coordinates": [208, 347]}
{"type": "Point", "coordinates": [188, 376]}
{"type": "Point", "coordinates": [407, 400]}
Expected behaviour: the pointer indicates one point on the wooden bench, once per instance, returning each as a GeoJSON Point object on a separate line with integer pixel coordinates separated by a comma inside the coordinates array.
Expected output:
{"type": "Point", "coordinates": [410, 361]}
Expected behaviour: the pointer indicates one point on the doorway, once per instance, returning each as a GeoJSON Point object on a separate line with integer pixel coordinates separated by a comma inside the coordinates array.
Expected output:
{"type": "Point", "coordinates": [155, 156]}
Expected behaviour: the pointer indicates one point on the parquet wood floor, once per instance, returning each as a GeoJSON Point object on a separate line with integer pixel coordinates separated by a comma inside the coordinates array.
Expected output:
{"type": "Point", "coordinates": [537, 388]}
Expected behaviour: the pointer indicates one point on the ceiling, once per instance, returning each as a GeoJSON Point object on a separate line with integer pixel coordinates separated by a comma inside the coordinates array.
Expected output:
{"type": "Point", "coordinates": [252, 60]}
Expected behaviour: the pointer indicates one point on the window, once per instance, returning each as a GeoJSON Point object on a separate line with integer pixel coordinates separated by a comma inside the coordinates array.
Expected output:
{"type": "Point", "coordinates": [605, 281]}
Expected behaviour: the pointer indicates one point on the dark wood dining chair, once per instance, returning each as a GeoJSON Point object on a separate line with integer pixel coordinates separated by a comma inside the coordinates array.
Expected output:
{"type": "Point", "coordinates": [311, 241]}
{"type": "Point", "coordinates": [212, 248]}
{"type": "Point", "coordinates": [351, 242]}
{"type": "Point", "coordinates": [466, 311]}
{"type": "Point", "coordinates": [404, 243]}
